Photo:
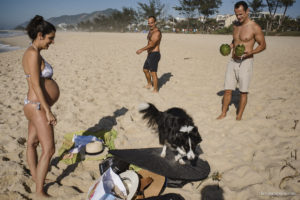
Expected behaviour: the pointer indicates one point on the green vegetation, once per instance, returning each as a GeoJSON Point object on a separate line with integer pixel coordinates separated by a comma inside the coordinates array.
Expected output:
{"type": "Point", "coordinates": [225, 30]}
{"type": "Point", "coordinates": [196, 13]}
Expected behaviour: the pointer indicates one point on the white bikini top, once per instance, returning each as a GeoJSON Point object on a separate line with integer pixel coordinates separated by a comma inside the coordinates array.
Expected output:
{"type": "Point", "coordinates": [47, 71]}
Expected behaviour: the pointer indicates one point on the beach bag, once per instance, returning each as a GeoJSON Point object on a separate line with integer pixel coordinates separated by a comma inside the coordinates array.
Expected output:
{"type": "Point", "coordinates": [108, 187]}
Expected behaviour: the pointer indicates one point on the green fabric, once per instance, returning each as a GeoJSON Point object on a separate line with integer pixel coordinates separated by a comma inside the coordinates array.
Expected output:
{"type": "Point", "coordinates": [107, 136]}
{"type": "Point", "coordinates": [134, 167]}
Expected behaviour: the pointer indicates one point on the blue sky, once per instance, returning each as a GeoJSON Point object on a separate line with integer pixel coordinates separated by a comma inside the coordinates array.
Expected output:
{"type": "Point", "coordinates": [15, 12]}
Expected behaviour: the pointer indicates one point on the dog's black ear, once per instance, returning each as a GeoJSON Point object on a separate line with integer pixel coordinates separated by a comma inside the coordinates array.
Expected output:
{"type": "Point", "coordinates": [195, 136]}
{"type": "Point", "coordinates": [199, 139]}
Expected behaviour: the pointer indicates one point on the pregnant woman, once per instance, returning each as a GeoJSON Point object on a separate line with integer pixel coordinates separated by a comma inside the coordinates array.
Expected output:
{"type": "Point", "coordinates": [43, 92]}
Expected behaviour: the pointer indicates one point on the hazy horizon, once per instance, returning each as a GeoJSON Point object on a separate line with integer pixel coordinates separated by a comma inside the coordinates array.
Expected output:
{"type": "Point", "coordinates": [16, 12]}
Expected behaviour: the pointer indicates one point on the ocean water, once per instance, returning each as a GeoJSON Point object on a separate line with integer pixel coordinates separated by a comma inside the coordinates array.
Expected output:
{"type": "Point", "coordinates": [6, 47]}
{"type": "Point", "coordinates": [9, 33]}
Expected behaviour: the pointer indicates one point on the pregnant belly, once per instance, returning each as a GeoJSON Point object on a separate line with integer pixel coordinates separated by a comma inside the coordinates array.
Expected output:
{"type": "Point", "coordinates": [51, 91]}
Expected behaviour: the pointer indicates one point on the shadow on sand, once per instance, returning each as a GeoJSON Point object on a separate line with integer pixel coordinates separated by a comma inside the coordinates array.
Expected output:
{"type": "Point", "coordinates": [106, 123]}
{"type": "Point", "coordinates": [164, 79]}
{"type": "Point", "coordinates": [212, 192]}
{"type": "Point", "coordinates": [235, 97]}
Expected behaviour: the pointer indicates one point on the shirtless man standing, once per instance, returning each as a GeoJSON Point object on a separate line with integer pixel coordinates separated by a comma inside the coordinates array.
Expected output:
{"type": "Point", "coordinates": [151, 63]}
{"type": "Point", "coordinates": [239, 69]}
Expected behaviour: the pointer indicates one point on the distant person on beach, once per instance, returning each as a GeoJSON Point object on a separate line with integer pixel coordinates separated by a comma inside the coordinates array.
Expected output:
{"type": "Point", "coordinates": [42, 94]}
{"type": "Point", "coordinates": [239, 69]}
{"type": "Point", "coordinates": [151, 63]}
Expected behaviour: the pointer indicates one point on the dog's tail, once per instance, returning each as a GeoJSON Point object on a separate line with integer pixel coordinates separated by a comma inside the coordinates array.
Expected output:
{"type": "Point", "coordinates": [150, 112]}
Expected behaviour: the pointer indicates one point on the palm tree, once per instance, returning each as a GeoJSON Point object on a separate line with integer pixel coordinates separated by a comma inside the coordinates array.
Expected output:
{"type": "Point", "coordinates": [286, 4]}
{"type": "Point", "coordinates": [273, 5]}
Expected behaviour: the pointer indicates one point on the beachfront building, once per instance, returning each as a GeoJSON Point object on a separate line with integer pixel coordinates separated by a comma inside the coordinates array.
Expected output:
{"type": "Point", "coordinates": [180, 19]}
{"type": "Point", "coordinates": [67, 27]}
{"type": "Point", "coordinates": [263, 15]}
{"type": "Point", "coordinates": [225, 20]}
{"type": "Point", "coordinates": [62, 26]}
{"type": "Point", "coordinates": [202, 19]}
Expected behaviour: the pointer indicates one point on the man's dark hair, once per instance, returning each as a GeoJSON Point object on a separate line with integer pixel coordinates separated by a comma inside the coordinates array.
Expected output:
{"type": "Point", "coordinates": [152, 17]}
{"type": "Point", "coordinates": [241, 3]}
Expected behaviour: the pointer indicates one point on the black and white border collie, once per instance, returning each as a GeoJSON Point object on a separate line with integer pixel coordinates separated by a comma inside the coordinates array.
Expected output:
{"type": "Point", "coordinates": [176, 129]}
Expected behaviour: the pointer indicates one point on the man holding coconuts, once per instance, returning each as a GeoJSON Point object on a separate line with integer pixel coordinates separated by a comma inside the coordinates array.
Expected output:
{"type": "Point", "coordinates": [239, 69]}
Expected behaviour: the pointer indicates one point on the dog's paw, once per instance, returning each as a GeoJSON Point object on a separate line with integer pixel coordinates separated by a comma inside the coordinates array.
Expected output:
{"type": "Point", "coordinates": [181, 161]}
{"type": "Point", "coordinates": [190, 155]}
{"type": "Point", "coordinates": [177, 157]}
{"type": "Point", "coordinates": [181, 151]}
{"type": "Point", "coordinates": [163, 154]}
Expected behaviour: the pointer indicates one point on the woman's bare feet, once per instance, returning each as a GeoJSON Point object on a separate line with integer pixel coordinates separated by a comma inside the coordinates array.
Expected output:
{"type": "Point", "coordinates": [42, 195]}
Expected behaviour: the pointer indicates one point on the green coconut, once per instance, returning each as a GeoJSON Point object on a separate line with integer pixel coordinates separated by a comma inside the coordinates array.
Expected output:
{"type": "Point", "coordinates": [239, 50]}
{"type": "Point", "coordinates": [225, 49]}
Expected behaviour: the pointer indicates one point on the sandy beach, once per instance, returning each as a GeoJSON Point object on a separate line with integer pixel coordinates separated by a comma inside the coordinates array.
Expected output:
{"type": "Point", "coordinates": [100, 73]}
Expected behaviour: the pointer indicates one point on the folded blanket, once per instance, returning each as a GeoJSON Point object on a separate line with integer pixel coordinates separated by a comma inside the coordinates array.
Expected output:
{"type": "Point", "coordinates": [82, 140]}
{"type": "Point", "coordinates": [107, 136]}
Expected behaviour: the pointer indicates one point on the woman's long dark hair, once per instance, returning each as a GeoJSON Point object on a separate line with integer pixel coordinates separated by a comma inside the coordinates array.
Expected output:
{"type": "Point", "coordinates": [38, 24]}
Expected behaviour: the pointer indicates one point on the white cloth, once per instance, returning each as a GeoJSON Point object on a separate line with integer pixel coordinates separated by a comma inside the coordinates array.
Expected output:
{"type": "Point", "coordinates": [82, 140]}
{"type": "Point", "coordinates": [103, 188]}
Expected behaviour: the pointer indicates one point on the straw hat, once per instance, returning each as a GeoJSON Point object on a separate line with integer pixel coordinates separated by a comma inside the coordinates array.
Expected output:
{"type": "Point", "coordinates": [130, 180]}
{"type": "Point", "coordinates": [94, 148]}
